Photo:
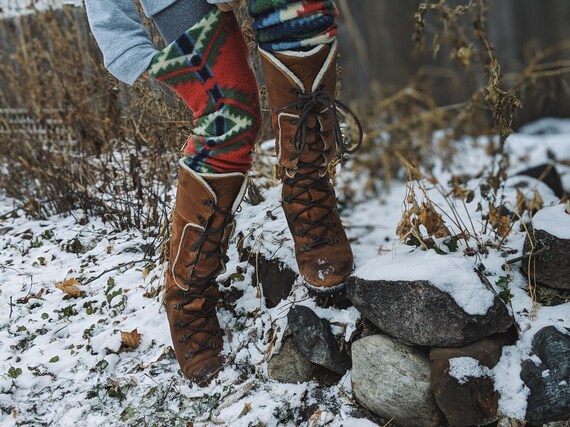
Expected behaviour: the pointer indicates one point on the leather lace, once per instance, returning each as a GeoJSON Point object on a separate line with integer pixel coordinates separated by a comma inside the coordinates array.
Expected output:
{"type": "Point", "coordinates": [317, 103]}
{"type": "Point", "coordinates": [197, 287]}
{"type": "Point", "coordinates": [320, 100]}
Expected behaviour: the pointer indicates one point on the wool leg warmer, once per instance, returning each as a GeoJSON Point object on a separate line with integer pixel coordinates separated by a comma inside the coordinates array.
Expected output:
{"type": "Point", "coordinates": [208, 68]}
{"type": "Point", "coordinates": [293, 24]}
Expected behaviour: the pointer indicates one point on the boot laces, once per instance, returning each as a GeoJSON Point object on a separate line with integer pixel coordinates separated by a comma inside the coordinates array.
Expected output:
{"type": "Point", "coordinates": [200, 321]}
{"type": "Point", "coordinates": [317, 103]}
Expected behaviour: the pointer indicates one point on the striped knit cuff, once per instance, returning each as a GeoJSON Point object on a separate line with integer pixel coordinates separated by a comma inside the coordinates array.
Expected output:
{"type": "Point", "coordinates": [290, 25]}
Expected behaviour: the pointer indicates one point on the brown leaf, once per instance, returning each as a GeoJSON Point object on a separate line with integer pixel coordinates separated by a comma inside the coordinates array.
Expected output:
{"type": "Point", "coordinates": [404, 226]}
{"type": "Point", "coordinates": [69, 287]}
{"type": "Point", "coordinates": [501, 223]}
{"type": "Point", "coordinates": [521, 202]}
{"type": "Point", "coordinates": [130, 340]}
{"type": "Point", "coordinates": [536, 203]}
{"type": "Point", "coordinates": [433, 222]}
{"type": "Point", "coordinates": [27, 298]}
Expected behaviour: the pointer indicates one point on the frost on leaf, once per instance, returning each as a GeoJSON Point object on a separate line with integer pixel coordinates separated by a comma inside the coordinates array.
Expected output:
{"type": "Point", "coordinates": [130, 340]}
{"type": "Point", "coordinates": [69, 287]}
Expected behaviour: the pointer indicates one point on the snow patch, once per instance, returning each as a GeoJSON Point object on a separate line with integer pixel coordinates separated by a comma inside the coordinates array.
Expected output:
{"type": "Point", "coordinates": [451, 274]}
{"type": "Point", "coordinates": [554, 220]}
{"type": "Point", "coordinates": [463, 368]}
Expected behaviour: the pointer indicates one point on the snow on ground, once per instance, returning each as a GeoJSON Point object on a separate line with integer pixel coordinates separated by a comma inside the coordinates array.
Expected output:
{"type": "Point", "coordinates": [61, 358]}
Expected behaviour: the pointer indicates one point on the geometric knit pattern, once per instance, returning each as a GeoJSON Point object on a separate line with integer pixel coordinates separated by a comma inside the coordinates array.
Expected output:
{"type": "Point", "coordinates": [208, 68]}
{"type": "Point", "coordinates": [292, 24]}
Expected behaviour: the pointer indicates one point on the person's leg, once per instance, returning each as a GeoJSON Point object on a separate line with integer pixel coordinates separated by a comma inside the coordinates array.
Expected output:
{"type": "Point", "coordinates": [207, 65]}
{"type": "Point", "coordinates": [298, 50]}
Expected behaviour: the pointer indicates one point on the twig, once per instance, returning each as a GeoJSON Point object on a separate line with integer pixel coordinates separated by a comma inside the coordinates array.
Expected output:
{"type": "Point", "coordinates": [124, 264]}
{"type": "Point", "coordinates": [527, 256]}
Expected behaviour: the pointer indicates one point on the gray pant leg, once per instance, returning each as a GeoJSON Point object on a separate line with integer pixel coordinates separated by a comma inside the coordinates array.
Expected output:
{"type": "Point", "coordinates": [180, 16]}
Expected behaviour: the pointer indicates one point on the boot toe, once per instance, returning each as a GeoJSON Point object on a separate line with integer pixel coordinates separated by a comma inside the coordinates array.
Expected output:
{"type": "Point", "coordinates": [327, 277]}
{"type": "Point", "coordinates": [204, 370]}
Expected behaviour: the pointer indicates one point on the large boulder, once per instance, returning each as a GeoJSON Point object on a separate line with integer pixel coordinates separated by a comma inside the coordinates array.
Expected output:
{"type": "Point", "coordinates": [393, 381]}
{"type": "Point", "coordinates": [418, 312]}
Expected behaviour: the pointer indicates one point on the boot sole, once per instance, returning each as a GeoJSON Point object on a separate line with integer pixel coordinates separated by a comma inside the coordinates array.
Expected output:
{"type": "Point", "coordinates": [326, 291]}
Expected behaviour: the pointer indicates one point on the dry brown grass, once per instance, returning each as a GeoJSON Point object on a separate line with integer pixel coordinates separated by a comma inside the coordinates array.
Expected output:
{"type": "Point", "coordinates": [100, 147]}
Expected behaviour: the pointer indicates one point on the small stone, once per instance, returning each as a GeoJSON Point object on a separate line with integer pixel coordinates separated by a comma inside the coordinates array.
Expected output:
{"type": "Point", "coordinates": [392, 380]}
{"type": "Point", "coordinates": [276, 279]}
{"type": "Point", "coordinates": [290, 365]}
{"type": "Point", "coordinates": [472, 401]}
{"type": "Point", "coordinates": [417, 312]}
{"type": "Point", "coordinates": [549, 380]}
{"type": "Point", "coordinates": [551, 267]}
{"type": "Point", "coordinates": [314, 338]}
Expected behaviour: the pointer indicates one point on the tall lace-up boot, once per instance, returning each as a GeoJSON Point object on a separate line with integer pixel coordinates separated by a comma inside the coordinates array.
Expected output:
{"type": "Point", "coordinates": [201, 227]}
{"type": "Point", "coordinates": [301, 87]}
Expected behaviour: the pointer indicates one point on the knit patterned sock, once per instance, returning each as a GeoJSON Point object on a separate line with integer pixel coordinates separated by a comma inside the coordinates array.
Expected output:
{"type": "Point", "coordinates": [292, 25]}
{"type": "Point", "coordinates": [208, 68]}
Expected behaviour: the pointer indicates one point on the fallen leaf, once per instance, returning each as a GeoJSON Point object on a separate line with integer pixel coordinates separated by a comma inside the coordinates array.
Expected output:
{"type": "Point", "coordinates": [37, 295]}
{"type": "Point", "coordinates": [246, 409]}
{"type": "Point", "coordinates": [69, 287]}
{"type": "Point", "coordinates": [130, 340]}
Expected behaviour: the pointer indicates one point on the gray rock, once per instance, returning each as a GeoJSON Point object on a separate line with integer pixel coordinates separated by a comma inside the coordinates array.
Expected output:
{"type": "Point", "coordinates": [551, 267]}
{"type": "Point", "coordinates": [417, 312]}
{"type": "Point", "coordinates": [314, 338]}
{"type": "Point", "coordinates": [475, 401]}
{"type": "Point", "coordinates": [276, 279]}
{"type": "Point", "coordinates": [558, 424]}
{"type": "Point", "coordinates": [549, 381]}
{"type": "Point", "coordinates": [393, 381]}
{"type": "Point", "coordinates": [548, 174]}
{"type": "Point", "coordinates": [290, 365]}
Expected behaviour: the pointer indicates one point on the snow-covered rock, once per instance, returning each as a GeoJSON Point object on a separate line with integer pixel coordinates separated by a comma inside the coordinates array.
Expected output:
{"type": "Point", "coordinates": [551, 232]}
{"type": "Point", "coordinates": [462, 383]}
{"type": "Point", "coordinates": [418, 312]}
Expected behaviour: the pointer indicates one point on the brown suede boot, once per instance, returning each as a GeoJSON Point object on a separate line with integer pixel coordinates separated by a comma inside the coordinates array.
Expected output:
{"type": "Point", "coordinates": [201, 226]}
{"type": "Point", "coordinates": [301, 87]}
